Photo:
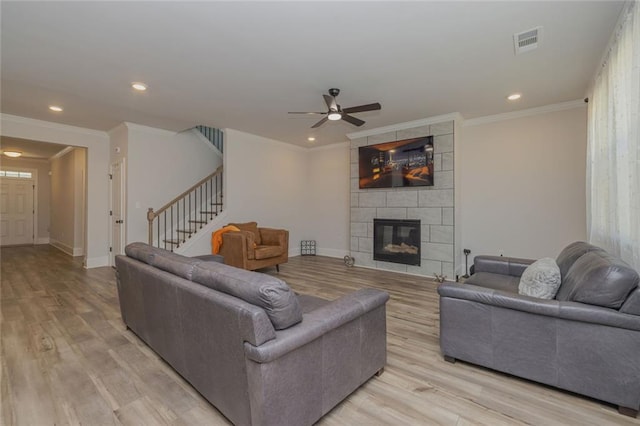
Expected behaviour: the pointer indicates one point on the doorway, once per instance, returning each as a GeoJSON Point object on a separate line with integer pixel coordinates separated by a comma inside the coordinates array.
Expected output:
{"type": "Point", "coordinates": [117, 210]}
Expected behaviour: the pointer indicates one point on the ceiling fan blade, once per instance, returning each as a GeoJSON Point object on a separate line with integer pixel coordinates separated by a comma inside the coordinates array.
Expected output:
{"type": "Point", "coordinates": [362, 108]}
{"type": "Point", "coordinates": [352, 120]}
{"type": "Point", "coordinates": [308, 113]}
{"type": "Point", "coordinates": [319, 123]}
{"type": "Point", "coordinates": [330, 101]}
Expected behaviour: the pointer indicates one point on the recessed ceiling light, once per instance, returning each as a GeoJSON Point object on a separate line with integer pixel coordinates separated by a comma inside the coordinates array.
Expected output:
{"type": "Point", "coordinates": [311, 139]}
{"type": "Point", "coordinates": [12, 154]}
{"type": "Point", "coordinates": [55, 108]}
{"type": "Point", "coordinates": [514, 96]}
{"type": "Point", "coordinates": [141, 87]}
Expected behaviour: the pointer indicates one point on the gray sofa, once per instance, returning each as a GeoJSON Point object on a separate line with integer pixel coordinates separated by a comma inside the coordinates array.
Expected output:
{"type": "Point", "coordinates": [586, 340]}
{"type": "Point", "coordinates": [261, 354]}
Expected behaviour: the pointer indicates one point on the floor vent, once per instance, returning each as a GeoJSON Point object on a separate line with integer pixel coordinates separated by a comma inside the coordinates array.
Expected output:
{"type": "Point", "coordinates": [527, 40]}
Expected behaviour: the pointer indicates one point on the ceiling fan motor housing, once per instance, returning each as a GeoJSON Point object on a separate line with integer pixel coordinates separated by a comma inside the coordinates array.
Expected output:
{"type": "Point", "coordinates": [334, 92]}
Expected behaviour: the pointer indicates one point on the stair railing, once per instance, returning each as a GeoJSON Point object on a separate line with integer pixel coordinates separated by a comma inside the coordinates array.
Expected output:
{"type": "Point", "coordinates": [183, 216]}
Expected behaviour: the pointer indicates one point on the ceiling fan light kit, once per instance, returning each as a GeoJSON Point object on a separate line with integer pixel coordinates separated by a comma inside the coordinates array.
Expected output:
{"type": "Point", "coordinates": [335, 112]}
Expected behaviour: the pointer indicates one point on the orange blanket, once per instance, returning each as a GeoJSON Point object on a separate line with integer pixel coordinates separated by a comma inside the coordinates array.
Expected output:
{"type": "Point", "coordinates": [216, 237]}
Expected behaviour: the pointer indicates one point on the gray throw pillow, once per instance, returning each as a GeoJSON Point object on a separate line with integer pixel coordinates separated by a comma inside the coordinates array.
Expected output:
{"type": "Point", "coordinates": [541, 279]}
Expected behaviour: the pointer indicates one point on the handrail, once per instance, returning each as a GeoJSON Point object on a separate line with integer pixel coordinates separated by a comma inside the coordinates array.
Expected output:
{"type": "Point", "coordinates": [193, 208]}
{"type": "Point", "coordinates": [181, 196]}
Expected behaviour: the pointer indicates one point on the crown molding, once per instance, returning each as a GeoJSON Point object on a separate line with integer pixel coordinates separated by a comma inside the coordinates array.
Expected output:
{"type": "Point", "coordinates": [524, 113]}
{"type": "Point", "coordinates": [406, 125]}
{"type": "Point", "coordinates": [61, 153]}
{"type": "Point", "coordinates": [329, 146]}
{"type": "Point", "coordinates": [8, 118]}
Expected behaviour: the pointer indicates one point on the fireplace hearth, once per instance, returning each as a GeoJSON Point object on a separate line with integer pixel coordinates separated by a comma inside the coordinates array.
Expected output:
{"type": "Point", "coordinates": [396, 241]}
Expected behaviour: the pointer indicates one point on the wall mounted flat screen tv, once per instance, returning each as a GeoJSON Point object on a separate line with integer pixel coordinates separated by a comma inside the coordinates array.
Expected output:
{"type": "Point", "coordinates": [402, 163]}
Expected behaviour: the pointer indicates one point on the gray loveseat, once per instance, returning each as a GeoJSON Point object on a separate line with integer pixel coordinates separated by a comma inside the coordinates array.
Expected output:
{"type": "Point", "coordinates": [253, 348]}
{"type": "Point", "coordinates": [586, 340]}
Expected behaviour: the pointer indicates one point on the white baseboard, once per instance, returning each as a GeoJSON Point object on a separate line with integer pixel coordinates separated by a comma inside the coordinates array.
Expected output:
{"type": "Point", "coordinates": [332, 253]}
{"type": "Point", "coordinates": [61, 246]}
{"type": "Point", "coordinates": [43, 240]}
{"type": "Point", "coordinates": [71, 251]}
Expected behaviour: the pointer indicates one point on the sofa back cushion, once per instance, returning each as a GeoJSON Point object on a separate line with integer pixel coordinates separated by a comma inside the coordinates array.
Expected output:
{"type": "Point", "coordinates": [571, 253]}
{"type": "Point", "coordinates": [142, 252]}
{"type": "Point", "coordinates": [162, 259]}
{"type": "Point", "coordinates": [176, 264]}
{"type": "Point", "coordinates": [597, 278]}
{"type": "Point", "coordinates": [270, 293]}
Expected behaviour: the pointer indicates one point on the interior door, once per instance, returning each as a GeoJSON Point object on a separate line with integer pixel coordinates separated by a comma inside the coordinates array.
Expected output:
{"type": "Point", "coordinates": [16, 211]}
{"type": "Point", "coordinates": [117, 210]}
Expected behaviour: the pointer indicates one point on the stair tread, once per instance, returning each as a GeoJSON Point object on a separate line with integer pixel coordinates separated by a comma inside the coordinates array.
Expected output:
{"type": "Point", "coordinates": [172, 241]}
{"type": "Point", "coordinates": [208, 212]}
{"type": "Point", "coordinates": [216, 204]}
{"type": "Point", "coordinates": [185, 231]}
{"type": "Point", "coordinates": [198, 221]}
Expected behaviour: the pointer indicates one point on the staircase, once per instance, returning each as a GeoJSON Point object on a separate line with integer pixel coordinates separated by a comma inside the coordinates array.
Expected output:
{"type": "Point", "coordinates": [172, 225]}
{"type": "Point", "coordinates": [215, 136]}
{"type": "Point", "coordinates": [175, 223]}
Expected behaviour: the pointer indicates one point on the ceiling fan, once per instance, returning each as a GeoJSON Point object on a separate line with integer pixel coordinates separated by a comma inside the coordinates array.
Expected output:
{"type": "Point", "coordinates": [335, 112]}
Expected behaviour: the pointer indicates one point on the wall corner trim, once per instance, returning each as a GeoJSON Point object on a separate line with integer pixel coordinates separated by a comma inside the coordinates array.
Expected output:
{"type": "Point", "coordinates": [579, 103]}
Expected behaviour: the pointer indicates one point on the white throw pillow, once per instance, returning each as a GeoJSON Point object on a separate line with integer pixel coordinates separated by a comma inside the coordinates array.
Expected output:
{"type": "Point", "coordinates": [541, 279]}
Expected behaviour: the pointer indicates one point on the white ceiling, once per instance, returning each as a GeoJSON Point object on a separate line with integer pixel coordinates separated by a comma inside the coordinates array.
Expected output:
{"type": "Point", "coordinates": [30, 149]}
{"type": "Point", "coordinates": [243, 65]}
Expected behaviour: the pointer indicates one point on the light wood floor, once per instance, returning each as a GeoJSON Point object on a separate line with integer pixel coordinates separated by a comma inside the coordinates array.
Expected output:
{"type": "Point", "coordinates": [67, 359]}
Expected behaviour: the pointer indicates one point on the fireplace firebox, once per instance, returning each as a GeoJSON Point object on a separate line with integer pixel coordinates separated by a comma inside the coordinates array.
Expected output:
{"type": "Point", "coordinates": [396, 241]}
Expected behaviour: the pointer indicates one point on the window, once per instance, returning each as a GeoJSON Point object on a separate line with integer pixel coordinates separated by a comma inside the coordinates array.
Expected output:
{"type": "Point", "coordinates": [15, 174]}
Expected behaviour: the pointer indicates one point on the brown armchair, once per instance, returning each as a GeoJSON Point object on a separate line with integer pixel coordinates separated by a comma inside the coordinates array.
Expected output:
{"type": "Point", "coordinates": [254, 248]}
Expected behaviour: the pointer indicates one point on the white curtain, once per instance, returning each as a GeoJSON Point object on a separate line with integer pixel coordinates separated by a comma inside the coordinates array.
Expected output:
{"type": "Point", "coordinates": [613, 153]}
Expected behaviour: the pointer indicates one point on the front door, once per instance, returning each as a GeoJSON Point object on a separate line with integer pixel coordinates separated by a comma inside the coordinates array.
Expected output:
{"type": "Point", "coordinates": [16, 211]}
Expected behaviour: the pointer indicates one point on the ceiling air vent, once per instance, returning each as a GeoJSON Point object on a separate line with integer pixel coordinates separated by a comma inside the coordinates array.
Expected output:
{"type": "Point", "coordinates": [527, 40]}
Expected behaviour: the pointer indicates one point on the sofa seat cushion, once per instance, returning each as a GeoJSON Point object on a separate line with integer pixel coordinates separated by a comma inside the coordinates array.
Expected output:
{"type": "Point", "coordinates": [500, 282]}
{"type": "Point", "coordinates": [249, 227]}
{"type": "Point", "coordinates": [541, 279]}
{"type": "Point", "coordinates": [597, 278]}
{"type": "Point", "coordinates": [266, 252]}
{"type": "Point", "coordinates": [270, 293]}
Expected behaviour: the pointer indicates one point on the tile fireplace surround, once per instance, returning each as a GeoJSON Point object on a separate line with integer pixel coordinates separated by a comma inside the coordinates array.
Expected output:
{"type": "Point", "coordinates": [432, 205]}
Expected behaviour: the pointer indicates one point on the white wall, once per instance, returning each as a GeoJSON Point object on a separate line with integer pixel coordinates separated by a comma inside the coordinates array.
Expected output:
{"type": "Point", "coordinates": [160, 166]}
{"type": "Point", "coordinates": [328, 199]}
{"type": "Point", "coordinates": [67, 202]}
{"type": "Point", "coordinates": [267, 181]}
{"type": "Point", "coordinates": [44, 191]}
{"type": "Point", "coordinates": [97, 143]}
{"type": "Point", "coordinates": [523, 183]}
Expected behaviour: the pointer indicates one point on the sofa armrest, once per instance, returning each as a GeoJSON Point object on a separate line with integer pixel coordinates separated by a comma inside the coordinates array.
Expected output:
{"type": "Point", "coordinates": [274, 237]}
{"type": "Point", "coordinates": [317, 323]}
{"type": "Point", "coordinates": [501, 265]}
{"type": "Point", "coordinates": [573, 311]}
